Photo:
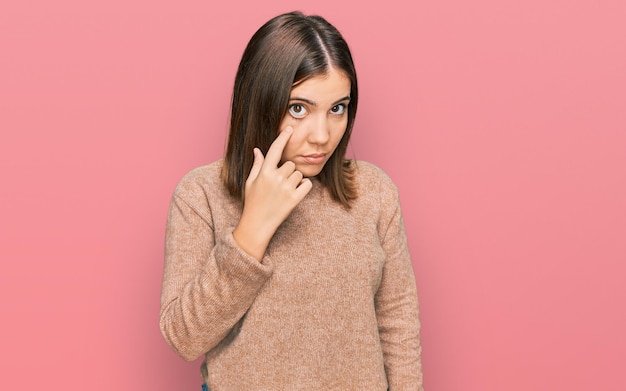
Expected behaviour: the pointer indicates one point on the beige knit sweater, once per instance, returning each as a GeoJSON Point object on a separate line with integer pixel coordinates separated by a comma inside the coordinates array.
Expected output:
{"type": "Point", "coordinates": [332, 305]}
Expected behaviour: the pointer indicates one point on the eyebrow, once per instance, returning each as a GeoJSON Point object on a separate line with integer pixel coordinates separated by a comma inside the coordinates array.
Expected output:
{"type": "Point", "coordinates": [310, 102]}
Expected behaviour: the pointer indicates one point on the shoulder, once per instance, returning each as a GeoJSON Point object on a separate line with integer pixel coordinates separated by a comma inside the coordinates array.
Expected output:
{"type": "Point", "coordinates": [378, 195]}
{"type": "Point", "coordinates": [376, 190]}
{"type": "Point", "coordinates": [202, 183]}
{"type": "Point", "coordinates": [371, 178]}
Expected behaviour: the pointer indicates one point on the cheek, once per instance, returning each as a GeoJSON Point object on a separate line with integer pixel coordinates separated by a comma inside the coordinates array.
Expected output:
{"type": "Point", "coordinates": [339, 130]}
{"type": "Point", "coordinates": [286, 121]}
{"type": "Point", "coordinates": [293, 145]}
{"type": "Point", "coordinates": [296, 125]}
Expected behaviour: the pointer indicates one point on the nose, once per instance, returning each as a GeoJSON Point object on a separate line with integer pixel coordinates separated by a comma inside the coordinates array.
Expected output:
{"type": "Point", "coordinates": [319, 132]}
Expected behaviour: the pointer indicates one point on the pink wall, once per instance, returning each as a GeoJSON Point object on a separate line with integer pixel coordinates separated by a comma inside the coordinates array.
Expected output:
{"type": "Point", "coordinates": [502, 122]}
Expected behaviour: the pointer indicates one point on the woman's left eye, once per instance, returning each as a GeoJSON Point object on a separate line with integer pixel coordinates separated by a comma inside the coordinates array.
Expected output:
{"type": "Point", "coordinates": [338, 109]}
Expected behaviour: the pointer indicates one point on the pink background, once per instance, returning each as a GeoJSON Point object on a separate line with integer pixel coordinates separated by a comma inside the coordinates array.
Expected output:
{"type": "Point", "coordinates": [502, 122]}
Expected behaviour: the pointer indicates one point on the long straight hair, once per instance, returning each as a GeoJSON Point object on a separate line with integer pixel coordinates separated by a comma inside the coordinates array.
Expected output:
{"type": "Point", "coordinates": [287, 50]}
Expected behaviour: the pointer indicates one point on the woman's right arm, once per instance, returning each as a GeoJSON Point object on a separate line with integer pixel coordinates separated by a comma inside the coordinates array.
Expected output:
{"type": "Point", "coordinates": [208, 282]}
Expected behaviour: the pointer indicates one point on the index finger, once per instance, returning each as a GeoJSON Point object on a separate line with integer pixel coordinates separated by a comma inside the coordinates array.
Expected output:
{"type": "Point", "coordinates": [275, 152]}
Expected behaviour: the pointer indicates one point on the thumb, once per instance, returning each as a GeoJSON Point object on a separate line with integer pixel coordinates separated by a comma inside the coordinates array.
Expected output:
{"type": "Point", "coordinates": [256, 165]}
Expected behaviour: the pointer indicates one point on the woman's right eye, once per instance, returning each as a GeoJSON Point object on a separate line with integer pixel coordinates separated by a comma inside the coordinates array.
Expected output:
{"type": "Point", "coordinates": [297, 110]}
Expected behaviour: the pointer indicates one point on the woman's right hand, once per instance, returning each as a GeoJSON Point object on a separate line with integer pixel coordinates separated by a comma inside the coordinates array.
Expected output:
{"type": "Point", "coordinates": [271, 193]}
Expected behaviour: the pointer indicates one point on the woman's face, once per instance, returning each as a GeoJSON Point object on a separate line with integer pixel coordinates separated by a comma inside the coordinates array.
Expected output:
{"type": "Point", "coordinates": [318, 114]}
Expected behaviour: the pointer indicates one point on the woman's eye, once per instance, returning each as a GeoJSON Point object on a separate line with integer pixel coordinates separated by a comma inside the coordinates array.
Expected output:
{"type": "Point", "coordinates": [297, 110]}
{"type": "Point", "coordinates": [338, 109]}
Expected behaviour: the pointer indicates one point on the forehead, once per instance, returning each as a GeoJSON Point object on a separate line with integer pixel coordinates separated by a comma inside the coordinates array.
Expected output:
{"type": "Point", "coordinates": [328, 87]}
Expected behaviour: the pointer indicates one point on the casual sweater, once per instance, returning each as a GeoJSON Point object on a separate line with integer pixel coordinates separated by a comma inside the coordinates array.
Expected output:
{"type": "Point", "coordinates": [331, 306]}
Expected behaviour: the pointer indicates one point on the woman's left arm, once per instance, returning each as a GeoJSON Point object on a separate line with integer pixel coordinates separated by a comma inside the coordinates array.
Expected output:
{"type": "Point", "coordinates": [397, 307]}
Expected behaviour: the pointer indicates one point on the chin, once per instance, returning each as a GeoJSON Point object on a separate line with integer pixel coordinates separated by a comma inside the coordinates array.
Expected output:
{"type": "Point", "coordinates": [310, 171]}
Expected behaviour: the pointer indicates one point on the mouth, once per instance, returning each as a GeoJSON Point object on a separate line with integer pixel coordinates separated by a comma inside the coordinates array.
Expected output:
{"type": "Point", "coordinates": [314, 158]}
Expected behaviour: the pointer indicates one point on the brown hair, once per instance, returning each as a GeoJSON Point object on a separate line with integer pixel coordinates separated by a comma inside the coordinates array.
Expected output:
{"type": "Point", "coordinates": [285, 51]}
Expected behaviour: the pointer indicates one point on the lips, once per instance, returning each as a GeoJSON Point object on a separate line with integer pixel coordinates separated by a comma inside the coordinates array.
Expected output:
{"type": "Point", "coordinates": [314, 158]}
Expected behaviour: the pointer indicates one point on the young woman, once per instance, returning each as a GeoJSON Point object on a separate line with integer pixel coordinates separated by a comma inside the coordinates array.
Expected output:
{"type": "Point", "coordinates": [286, 265]}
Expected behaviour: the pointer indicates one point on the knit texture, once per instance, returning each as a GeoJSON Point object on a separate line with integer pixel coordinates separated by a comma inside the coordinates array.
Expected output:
{"type": "Point", "coordinates": [331, 306]}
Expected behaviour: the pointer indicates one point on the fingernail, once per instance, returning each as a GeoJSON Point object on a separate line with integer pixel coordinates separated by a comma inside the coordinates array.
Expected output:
{"type": "Point", "coordinates": [288, 129]}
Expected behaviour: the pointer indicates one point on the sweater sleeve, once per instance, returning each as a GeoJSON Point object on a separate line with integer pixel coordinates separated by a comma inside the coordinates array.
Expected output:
{"type": "Point", "coordinates": [208, 282]}
{"type": "Point", "coordinates": [397, 307]}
